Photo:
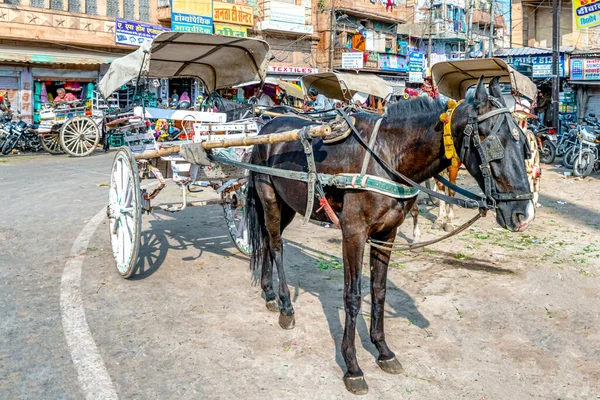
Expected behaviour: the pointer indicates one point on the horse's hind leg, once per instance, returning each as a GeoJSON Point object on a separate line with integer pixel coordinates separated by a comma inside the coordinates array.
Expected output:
{"type": "Point", "coordinates": [273, 221]}
{"type": "Point", "coordinates": [380, 260]}
{"type": "Point", "coordinates": [287, 216]}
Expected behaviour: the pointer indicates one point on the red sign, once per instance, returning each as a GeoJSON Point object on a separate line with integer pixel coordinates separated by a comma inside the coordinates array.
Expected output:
{"type": "Point", "coordinates": [280, 69]}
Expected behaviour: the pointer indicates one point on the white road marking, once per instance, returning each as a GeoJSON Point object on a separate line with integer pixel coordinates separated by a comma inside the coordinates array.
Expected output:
{"type": "Point", "coordinates": [91, 371]}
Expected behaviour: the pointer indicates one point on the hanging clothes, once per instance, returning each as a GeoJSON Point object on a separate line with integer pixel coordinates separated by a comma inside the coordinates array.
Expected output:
{"type": "Point", "coordinates": [359, 42]}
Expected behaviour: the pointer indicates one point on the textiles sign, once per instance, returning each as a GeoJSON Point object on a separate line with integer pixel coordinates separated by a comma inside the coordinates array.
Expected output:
{"type": "Point", "coordinates": [135, 33]}
{"type": "Point", "coordinates": [541, 64]}
{"type": "Point", "coordinates": [280, 69]}
{"type": "Point", "coordinates": [587, 13]}
{"type": "Point", "coordinates": [585, 69]}
{"type": "Point", "coordinates": [192, 16]}
{"type": "Point", "coordinates": [233, 13]}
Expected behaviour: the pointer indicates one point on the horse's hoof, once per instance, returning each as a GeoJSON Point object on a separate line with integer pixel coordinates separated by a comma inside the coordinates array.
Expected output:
{"type": "Point", "coordinates": [272, 306]}
{"type": "Point", "coordinates": [391, 366]}
{"type": "Point", "coordinates": [356, 384]}
{"type": "Point", "coordinates": [448, 227]}
{"type": "Point", "coordinates": [436, 225]}
{"type": "Point", "coordinates": [287, 322]}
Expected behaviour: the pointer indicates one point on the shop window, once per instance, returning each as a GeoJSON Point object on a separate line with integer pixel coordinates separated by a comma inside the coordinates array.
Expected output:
{"type": "Point", "coordinates": [57, 5]}
{"type": "Point", "coordinates": [91, 7]}
{"type": "Point", "coordinates": [75, 6]}
{"type": "Point", "coordinates": [113, 8]}
{"type": "Point", "coordinates": [37, 3]}
{"type": "Point", "coordinates": [129, 9]}
{"type": "Point", "coordinates": [12, 2]}
{"type": "Point", "coordinates": [144, 10]}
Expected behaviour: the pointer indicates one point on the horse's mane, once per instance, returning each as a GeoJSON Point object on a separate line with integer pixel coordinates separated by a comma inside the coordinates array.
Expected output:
{"type": "Point", "coordinates": [415, 108]}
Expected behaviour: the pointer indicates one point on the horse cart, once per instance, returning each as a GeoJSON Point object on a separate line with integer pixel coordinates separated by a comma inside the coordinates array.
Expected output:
{"type": "Point", "coordinates": [71, 127]}
{"type": "Point", "coordinates": [455, 79]}
{"type": "Point", "coordinates": [184, 55]}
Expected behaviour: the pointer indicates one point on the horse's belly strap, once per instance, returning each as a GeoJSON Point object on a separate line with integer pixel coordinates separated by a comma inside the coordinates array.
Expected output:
{"type": "Point", "coordinates": [374, 184]}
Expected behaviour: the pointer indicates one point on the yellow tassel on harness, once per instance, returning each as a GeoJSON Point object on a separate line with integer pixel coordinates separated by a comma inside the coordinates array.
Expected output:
{"type": "Point", "coordinates": [446, 118]}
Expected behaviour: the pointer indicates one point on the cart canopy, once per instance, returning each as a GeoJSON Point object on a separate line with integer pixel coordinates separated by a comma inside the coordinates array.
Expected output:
{"type": "Point", "coordinates": [218, 61]}
{"type": "Point", "coordinates": [454, 78]}
{"type": "Point", "coordinates": [344, 85]}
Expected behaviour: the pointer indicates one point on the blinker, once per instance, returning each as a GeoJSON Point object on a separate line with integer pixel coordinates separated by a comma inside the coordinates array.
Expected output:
{"type": "Point", "coordinates": [492, 147]}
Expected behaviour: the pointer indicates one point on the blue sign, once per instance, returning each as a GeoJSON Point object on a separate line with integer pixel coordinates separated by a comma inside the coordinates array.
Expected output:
{"type": "Point", "coordinates": [191, 23]}
{"type": "Point", "coordinates": [415, 61]}
{"type": "Point", "coordinates": [541, 64]}
{"type": "Point", "coordinates": [135, 33]}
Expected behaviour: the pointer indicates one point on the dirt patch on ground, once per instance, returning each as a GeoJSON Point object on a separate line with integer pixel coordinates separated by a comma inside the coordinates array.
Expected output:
{"type": "Point", "coordinates": [485, 315]}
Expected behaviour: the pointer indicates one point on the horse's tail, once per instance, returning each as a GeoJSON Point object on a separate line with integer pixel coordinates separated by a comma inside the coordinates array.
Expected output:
{"type": "Point", "coordinates": [256, 223]}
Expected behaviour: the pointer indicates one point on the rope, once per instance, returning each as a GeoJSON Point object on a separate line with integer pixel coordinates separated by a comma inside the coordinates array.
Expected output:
{"type": "Point", "coordinates": [412, 246]}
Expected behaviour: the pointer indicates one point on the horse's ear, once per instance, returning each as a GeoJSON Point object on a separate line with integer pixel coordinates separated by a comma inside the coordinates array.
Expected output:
{"type": "Point", "coordinates": [495, 90]}
{"type": "Point", "coordinates": [481, 96]}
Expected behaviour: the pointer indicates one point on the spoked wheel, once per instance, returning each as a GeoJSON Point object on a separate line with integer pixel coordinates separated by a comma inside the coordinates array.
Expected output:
{"type": "Point", "coordinates": [79, 136]}
{"type": "Point", "coordinates": [584, 164]}
{"type": "Point", "coordinates": [547, 152]}
{"type": "Point", "coordinates": [50, 143]}
{"type": "Point", "coordinates": [125, 211]}
{"type": "Point", "coordinates": [10, 143]}
{"type": "Point", "coordinates": [569, 157]}
{"type": "Point", "coordinates": [234, 207]}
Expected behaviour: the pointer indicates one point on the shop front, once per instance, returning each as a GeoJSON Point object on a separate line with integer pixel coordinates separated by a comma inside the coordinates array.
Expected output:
{"type": "Point", "coordinates": [585, 80]}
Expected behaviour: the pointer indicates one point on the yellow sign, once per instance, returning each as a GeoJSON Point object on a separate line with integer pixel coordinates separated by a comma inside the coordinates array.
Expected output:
{"type": "Point", "coordinates": [192, 7]}
{"type": "Point", "coordinates": [587, 13]}
{"type": "Point", "coordinates": [231, 30]}
{"type": "Point", "coordinates": [233, 13]}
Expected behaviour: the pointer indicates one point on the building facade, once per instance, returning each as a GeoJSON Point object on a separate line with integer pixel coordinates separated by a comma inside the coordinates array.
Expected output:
{"type": "Point", "coordinates": [51, 44]}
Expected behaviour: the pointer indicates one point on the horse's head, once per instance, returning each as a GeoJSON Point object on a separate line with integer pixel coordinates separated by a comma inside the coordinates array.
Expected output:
{"type": "Point", "coordinates": [493, 149]}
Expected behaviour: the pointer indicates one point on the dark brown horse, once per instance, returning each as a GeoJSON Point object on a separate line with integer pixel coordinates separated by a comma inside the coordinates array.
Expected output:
{"type": "Point", "coordinates": [410, 140]}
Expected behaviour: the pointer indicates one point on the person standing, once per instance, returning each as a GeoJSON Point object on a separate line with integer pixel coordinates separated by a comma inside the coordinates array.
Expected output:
{"type": "Point", "coordinates": [541, 107]}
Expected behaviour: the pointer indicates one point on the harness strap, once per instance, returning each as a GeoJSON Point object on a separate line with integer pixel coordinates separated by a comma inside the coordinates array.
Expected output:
{"type": "Point", "coordinates": [312, 173]}
{"type": "Point", "coordinates": [367, 158]}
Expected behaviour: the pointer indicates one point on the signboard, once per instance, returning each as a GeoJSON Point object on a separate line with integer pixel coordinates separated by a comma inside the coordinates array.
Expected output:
{"type": "Point", "coordinates": [284, 27]}
{"type": "Point", "coordinates": [135, 33]}
{"type": "Point", "coordinates": [233, 14]}
{"type": "Point", "coordinates": [542, 64]}
{"type": "Point", "coordinates": [231, 30]}
{"type": "Point", "coordinates": [352, 60]}
{"type": "Point", "coordinates": [585, 69]}
{"type": "Point", "coordinates": [285, 12]}
{"type": "Point", "coordinates": [280, 69]}
{"type": "Point", "coordinates": [415, 67]}
{"type": "Point", "coordinates": [392, 62]}
{"type": "Point", "coordinates": [587, 13]}
{"type": "Point", "coordinates": [192, 16]}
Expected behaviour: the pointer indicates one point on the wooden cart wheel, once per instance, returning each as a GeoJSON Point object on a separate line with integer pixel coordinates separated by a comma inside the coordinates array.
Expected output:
{"type": "Point", "coordinates": [50, 143]}
{"type": "Point", "coordinates": [234, 207]}
{"type": "Point", "coordinates": [79, 136]}
{"type": "Point", "coordinates": [125, 211]}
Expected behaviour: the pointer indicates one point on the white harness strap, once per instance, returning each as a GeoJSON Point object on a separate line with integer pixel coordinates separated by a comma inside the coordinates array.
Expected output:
{"type": "Point", "coordinates": [365, 165]}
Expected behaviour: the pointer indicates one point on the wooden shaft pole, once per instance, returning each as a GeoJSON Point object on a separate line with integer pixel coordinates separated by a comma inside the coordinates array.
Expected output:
{"type": "Point", "coordinates": [288, 136]}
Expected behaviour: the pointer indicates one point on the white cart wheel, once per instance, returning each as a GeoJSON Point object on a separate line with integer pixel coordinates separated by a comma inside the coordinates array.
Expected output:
{"type": "Point", "coordinates": [50, 143]}
{"type": "Point", "coordinates": [125, 211]}
{"type": "Point", "coordinates": [79, 136]}
{"type": "Point", "coordinates": [234, 207]}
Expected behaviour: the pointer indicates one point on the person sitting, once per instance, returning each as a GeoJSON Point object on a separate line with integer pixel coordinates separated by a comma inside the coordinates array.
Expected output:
{"type": "Point", "coordinates": [184, 101]}
{"type": "Point", "coordinates": [263, 98]}
{"type": "Point", "coordinates": [319, 102]}
{"type": "Point", "coordinates": [63, 97]}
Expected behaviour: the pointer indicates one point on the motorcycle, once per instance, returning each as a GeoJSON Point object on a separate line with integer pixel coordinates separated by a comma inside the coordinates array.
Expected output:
{"type": "Point", "coordinates": [547, 142]}
{"type": "Point", "coordinates": [13, 133]}
{"type": "Point", "coordinates": [587, 159]}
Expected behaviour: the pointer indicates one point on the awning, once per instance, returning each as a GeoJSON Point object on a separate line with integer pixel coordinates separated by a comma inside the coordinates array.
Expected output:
{"type": "Point", "coordinates": [585, 83]}
{"type": "Point", "coordinates": [36, 55]}
{"type": "Point", "coordinates": [342, 86]}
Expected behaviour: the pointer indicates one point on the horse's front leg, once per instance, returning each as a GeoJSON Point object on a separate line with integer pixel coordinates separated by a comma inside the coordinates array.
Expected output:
{"type": "Point", "coordinates": [353, 248]}
{"type": "Point", "coordinates": [380, 260]}
{"type": "Point", "coordinates": [414, 212]}
{"type": "Point", "coordinates": [449, 223]}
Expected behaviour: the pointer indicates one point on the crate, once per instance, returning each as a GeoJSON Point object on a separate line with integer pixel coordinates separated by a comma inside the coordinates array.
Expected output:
{"type": "Point", "coordinates": [116, 140]}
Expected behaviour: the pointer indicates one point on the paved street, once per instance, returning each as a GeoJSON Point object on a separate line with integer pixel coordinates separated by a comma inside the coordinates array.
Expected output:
{"type": "Point", "coordinates": [486, 315]}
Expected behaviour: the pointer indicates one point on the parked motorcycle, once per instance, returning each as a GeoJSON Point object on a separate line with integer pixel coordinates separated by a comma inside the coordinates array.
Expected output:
{"type": "Point", "coordinates": [13, 132]}
{"type": "Point", "coordinates": [547, 141]}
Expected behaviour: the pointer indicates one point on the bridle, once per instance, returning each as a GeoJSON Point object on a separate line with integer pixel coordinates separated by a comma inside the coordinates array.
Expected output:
{"type": "Point", "coordinates": [490, 149]}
